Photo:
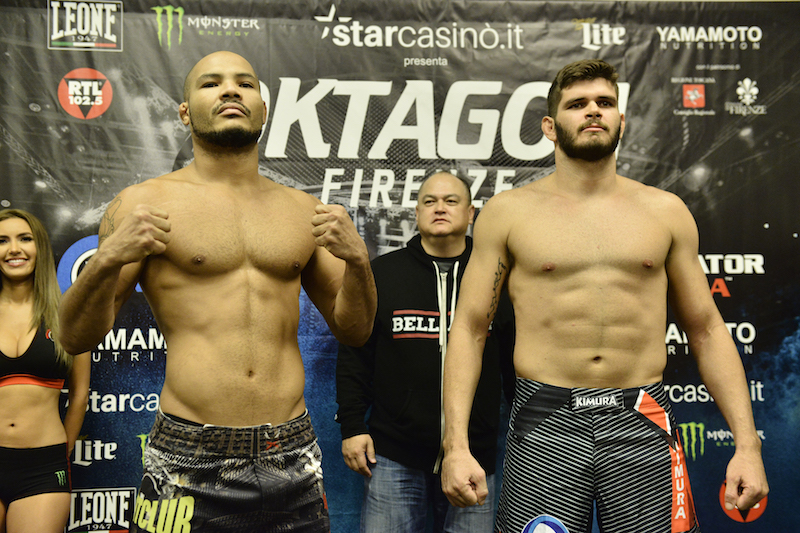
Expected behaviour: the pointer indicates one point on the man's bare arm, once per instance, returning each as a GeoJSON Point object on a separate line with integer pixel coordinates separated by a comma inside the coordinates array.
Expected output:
{"type": "Point", "coordinates": [339, 279]}
{"type": "Point", "coordinates": [126, 237]}
{"type": "Point", "coordinates": [463, 479]}
{"type": "Point", "coordinates": [718, 361]}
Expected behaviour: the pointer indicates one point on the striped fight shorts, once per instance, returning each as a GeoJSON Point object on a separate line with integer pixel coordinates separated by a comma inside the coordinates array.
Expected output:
{"type": "Point", "coordinates": [569, 449]}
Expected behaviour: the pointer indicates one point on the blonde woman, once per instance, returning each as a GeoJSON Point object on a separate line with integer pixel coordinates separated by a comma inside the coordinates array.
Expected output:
{"type": "Point", "coordinates": [35, 443]}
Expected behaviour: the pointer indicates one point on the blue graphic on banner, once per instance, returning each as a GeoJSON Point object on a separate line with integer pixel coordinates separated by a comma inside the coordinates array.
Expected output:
{"type": "Point", "coordinates": [545, 524]}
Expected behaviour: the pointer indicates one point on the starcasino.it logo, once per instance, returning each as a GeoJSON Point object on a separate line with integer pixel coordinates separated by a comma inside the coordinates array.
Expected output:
{"type": "Point", "coordinates": [85, 26]}
{"type": "Point", "coordinates": [85, 93]}
{"type": "Point", "coordinates": [347, 31]}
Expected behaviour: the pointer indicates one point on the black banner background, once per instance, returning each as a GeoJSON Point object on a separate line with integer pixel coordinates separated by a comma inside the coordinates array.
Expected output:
{"type": "Point", "coordinates": [711, 92]}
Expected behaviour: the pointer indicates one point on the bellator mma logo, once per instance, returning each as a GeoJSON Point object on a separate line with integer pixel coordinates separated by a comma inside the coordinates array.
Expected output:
{"type": "Point", "coordinates": [85, 93]}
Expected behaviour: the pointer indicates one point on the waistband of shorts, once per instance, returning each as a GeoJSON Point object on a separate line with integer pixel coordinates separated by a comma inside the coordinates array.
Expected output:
{"type": "Point", "coordinates": [41, 454]}
{"type": "Point", "coordinates": [588, 398]}
{"type": "Point", "coordinates": [251, 441]}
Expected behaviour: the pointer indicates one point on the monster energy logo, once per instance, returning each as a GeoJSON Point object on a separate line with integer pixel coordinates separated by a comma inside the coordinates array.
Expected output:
{"type": "Point", "coordinates": [61, 476]}
{"type": "Point", "coordinates": [691, 433]}
{"type": "Point", "coordinates": [169, 11]}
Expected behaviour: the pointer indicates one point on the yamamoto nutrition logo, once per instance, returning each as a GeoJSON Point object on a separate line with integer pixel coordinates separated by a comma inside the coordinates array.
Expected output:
{"type": "Point", "coordinates": [95, 26]}
{"type": "Point", "coordinates": [106, 510]}
{"type": "Point", "coordinates": [347, 31]}
{"type": "Point", "coordinates": [85, 93]}
{"type": "Point", "coordinates": [709, 37]}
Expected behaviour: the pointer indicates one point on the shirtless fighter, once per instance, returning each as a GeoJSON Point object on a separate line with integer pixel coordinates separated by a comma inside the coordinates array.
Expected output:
{"type": "Point", "coordinates": [590, 258]}
{"type": "Point", "coordinates": [221, 253]}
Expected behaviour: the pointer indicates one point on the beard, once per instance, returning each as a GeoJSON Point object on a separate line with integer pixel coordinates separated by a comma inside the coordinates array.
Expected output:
{"type": "Point", "coordinates": [234, 137]}
{"type": "Point", "coordinates": [237, 137]}
{"type": "Point", "coordinates": [593, 150]}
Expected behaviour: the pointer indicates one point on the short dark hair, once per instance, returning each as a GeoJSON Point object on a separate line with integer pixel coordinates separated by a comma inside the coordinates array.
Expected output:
{"type": "Point", "coordinates": [583, 70]}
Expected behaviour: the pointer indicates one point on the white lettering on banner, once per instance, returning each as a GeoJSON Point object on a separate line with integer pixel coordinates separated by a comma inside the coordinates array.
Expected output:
{"type": "Point", "coordinates": [711, 37]}
{"type": "Point", "coordinates": [691, 393]}
{"type": "Point", "coordinates": [119, 403]}
{"type": "Point", "coordinates": [710, 34]}
{"type": "Point", "coordinates": [93, 19]}
{"type": "Point", "coordinates": [743, 332]}
{"type": "Point", "coordinates": [417, 96]}
{"type": "Point", "coordinates": [383, 181]}
{"type": "Point", "coordinates": [87, 451]}
{"type": "Point", "coordinates": [688, 393]}
{"type": "Point", "coordinates": [597, 35]}
{"type": "Point", "coordinates": [732, 263]}
{"type": "Point", "coordinates": [101, 509]}
{"type": "Point", "coordinates": [120, 340]}
{"type": "Point", "coordinates": [354, 33]}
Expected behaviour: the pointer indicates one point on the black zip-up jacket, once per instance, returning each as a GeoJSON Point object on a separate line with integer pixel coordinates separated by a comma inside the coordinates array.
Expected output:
{"type": "Point", "coordinates": [396, 377]}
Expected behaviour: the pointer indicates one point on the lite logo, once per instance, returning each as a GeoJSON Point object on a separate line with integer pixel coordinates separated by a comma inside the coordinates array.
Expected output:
{"type": "Point", "coordinates": [88, 451]}
{"type": "Point", "coordinates": [597, 35]}
{"type": "Point", "coordinates": [85, 93]}
{"type": "Point", "coordinates": [86, 26]}
{"type": "Point", "coordinates": [171, 15]}
{"type": "Point", "coordinates": [545, 524]}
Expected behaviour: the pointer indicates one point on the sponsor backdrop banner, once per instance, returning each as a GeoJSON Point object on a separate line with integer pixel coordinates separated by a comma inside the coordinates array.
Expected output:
{"type": "Point", "coordinates": [366, 95]}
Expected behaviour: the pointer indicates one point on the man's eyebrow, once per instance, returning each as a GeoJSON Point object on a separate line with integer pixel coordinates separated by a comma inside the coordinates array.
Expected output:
{"type": "Point", "coordinates": [445, 196]}
{"type": "Point", "coordinates": [603, 98]}
{"type": "Point", "coordinates": [215, 76]}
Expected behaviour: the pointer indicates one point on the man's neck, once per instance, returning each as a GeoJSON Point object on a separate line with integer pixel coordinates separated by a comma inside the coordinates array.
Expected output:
{"type": "Point", "coordinates": [231, 165]}
{"type": "Point", "coordinates": [585, 177]}
{"type": "Point", "coordinates": [445, 247]}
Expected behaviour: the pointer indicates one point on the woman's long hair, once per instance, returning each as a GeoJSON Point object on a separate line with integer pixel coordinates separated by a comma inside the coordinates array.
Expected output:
{"type": "Point", "coordinates": [46, 293]}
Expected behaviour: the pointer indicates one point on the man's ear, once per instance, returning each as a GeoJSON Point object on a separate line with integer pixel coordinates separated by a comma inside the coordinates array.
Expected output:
{"type": "Point", "coordinates": [183, 112]}
{"type": "Point", "coordinates": [549, 128]}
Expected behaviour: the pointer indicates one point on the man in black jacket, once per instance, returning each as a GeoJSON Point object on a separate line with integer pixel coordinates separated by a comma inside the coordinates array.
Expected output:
{"type": "Point", "coordinates": [397, 376]}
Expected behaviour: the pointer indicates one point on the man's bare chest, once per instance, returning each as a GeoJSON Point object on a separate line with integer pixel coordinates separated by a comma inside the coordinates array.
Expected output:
{"type": "Point", "coordinates": [567, 240]}
{"type": "Point", "coordinates": [273, 239]}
